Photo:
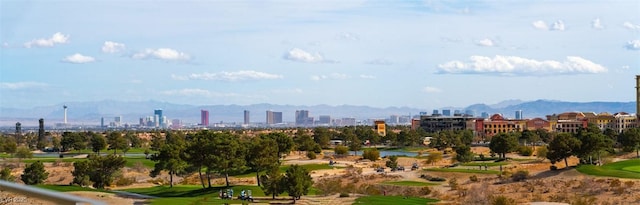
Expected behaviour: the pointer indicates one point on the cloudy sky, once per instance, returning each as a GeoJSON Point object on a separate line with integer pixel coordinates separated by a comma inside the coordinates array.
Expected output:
{"type": "Point", "coordinates": [423, 54]}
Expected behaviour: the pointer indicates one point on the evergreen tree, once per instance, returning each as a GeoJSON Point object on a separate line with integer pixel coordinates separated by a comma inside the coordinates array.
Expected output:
{"type": "Point", "coordinates": [297, 182]}
{"type": "Point", "coordinates": [272, 182]}
{"type": "Point", "coordinates": [34, 174]}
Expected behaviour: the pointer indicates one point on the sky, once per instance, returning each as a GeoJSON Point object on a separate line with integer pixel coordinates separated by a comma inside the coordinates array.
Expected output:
{"type": "Point", "coordinates": [421, 54]}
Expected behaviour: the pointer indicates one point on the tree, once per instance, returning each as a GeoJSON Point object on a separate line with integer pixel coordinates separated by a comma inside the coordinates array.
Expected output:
{"type": "Point", "coordinates": [98, 142]}
{"type": "Point", "coordinates": [272, 182]}
{"type": "Point", "coordinates": [561, 147]}
{"type": "Point", "coordinates": [371, 154]}
{"type": "Point", "coordinates": [55, 142]}
{"type": "Point", "coordinates": [542, 152]}
{"type": "Point", "coordinates": [464, 154]}
{"type": "Point", "coordinates": [117, 141]}
{"type": "Point", "coordinates": [392, 138]}
{"type": "Point", "coordinates": [199, 152]}
{"type": "Point", "coordinates": [354, 143]}
{"type": "Point", "coordinates": [263, 154]}
{"type": "Point", "coordinates": [285, 143]}
{"type": "Point", "coordinates": [135, 141]}
{"type": "Point", "coordinates": [98, 169]}
{"type": "Point", "coordinates": [34, 174]}
{"type": "Point", "coordinates": [392, 162]}
{"type": "Point", "coordinates": [304, 142]}
{"type": "Point", "coordinates": [8, 144]}
{"type": "Point", "coordinates": [228, 155]}
{"type": "Point", "coordinates": [530, 137]}
{"type": "Point", "coordinates": [81, 172]}
{"type": "Point", "coordinates": [433, 157]}
{"type": "Point", "coordinates": [322, 136]}
{"type": "Point", "coordinates": [170, 157]}
{"type": "Point", "coordinates": [5, 174]}
{"type": "Point", "coordinates": [630, 140]}
{"type": "Point", "coordinates": [503, 143]}
{"type": "Point", "coordinates": [297, 181]}
{"type": "Point", "coordinates": [592, 142]}
{"type": "Point", "coordinates": [23, 153]}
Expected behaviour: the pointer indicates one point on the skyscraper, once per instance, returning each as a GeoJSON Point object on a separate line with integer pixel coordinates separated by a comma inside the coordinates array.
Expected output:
{"type": "Point", "coordinates": [277, 117]}
{"type": "Point", "coordinates": [446, 112]}
{"type": "Point", "coordinates": [518, 114]}
{"type": "Point", "coordinates": [204, 118]}
{"type": "Point", "coordinates": [302, 117]}
{"type": "Point", "coordinates": [269, 119]}
{"type": "Point", "coordinates": [41, 130]}
{"type": "Point", "coordinates": [158, 113]}
{"type": "Point", "coordinates": [246, 117]}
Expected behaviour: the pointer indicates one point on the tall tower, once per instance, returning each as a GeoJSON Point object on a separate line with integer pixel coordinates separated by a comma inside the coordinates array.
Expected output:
{"type": "Point", "coordinates": [269, 119]}
{"type": "Point", "coordinates": [40, 130]}
{"type": "Point", "coordinates": [246, 117]}
{"type": "Point", "coordinates": [65, 114]}
{"type": "Point", "coordinates": [204, 118]}
{"type": "Point", "coordinates": [158, 118]}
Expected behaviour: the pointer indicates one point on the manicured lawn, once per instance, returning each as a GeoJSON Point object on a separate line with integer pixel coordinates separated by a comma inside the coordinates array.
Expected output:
{"type": "Point", "coordinates": [410, 183]}
{"type": "Point", "coordinates": [131, 161]}
{"type": "Point", "coordinates": [194, 194]}
{"type": "Point", "coordinates": [623, 169]}
{"type": "Point", "coordinates": [66, 188]}
{"type": "Point", "coordinates": [392, 200]}
{"type": "Point", "coordinates": [489, 164]}
{"type": "Point", "coordinates": [473, 171]}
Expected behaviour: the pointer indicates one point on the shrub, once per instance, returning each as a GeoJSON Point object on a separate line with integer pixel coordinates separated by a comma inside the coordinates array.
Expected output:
{"type": "Point", "coordinates": [34, 174]}
{"type": "Point", "coordinates": [125, 181]}
{"type": "Point", "coordinates": [473, 178]}
{"type": "Point", "coordinates": [311, 155]}
{"type": "Point", "coordinates": [425, 191]}
{"type": "Point", "coordinates": [344, 194]}
{"type": "Point", "coordinates": [502, 200]}
{"type": "Point", "coordinates": [453, 183]}
{"type": "Point", "coordinates": [5, 174]}
{"type": "Point", "coordinates": [520, 175]}
{"type": "Point", "coordinates": [371, 154]}
{"type": "Point", "coordinates": [317, 149]}
{"type": "Point", "coordinates": [341, 150]}
{"type": "Point", "coordinates": [525, 151]}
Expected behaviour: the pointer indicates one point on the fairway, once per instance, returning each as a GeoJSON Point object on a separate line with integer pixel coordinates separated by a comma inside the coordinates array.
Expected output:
{"type": "Point", "coordinates": [622, 169]}
{"type": "Point", "coordinates": [472, 171]}
{"type": "Point", "coordinates": [393, 200]}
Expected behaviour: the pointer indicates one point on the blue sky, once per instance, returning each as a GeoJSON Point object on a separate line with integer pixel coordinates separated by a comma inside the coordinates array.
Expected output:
{"type": "Point", "coordinates": [423, 54]}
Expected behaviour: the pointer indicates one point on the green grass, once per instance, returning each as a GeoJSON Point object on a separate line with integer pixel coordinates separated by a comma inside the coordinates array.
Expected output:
{"type": "Point", "coordinates": [193, 194]}
{"type": "Point", "coordinates": [489, 164]}
{"type": "Point", "coordinates": [410, 183]}
{"type": "Point", "coordinates": [472, 171]}
{"type": "Point", "coordinates": [67, 188]}
{"type": "Point", "coordinates": [622, 169]}
{"type": "Point", "coordinates": [131, 161]}
{"type": "Point", "coordinates": [392, 200]}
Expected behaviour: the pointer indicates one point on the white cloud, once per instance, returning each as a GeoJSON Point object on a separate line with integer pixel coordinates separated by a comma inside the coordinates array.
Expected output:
{"type": "Point", "coordinates": [22, 85]}
{"type": "Point", "coordinates": [367, 76]}
{"type": "Point", "coordinates": [633, 45]}
{"type": "Point", "coordinates": [300, 55]}
{"type": "Point", "coordinates": [162, 54]}
{"type": "Point", "coordinates": [558, 26]}
{"type": "Point", "coordinates": [597, 24]}
{"type": "Point", "coordinates": [229, 76]}
{"type": "Point", "coordinates": [5, 45]}
{"type": "Point", "coordinates": [189, 92]}
{"type": "Point", "coordinates": [485, 42]}
{"type": "Point", "coordinates": [287, 91]}
{"type": "Point", "coordinates": [112, 47]}
{"type": "Point", "coordinates": [348, 36]}
{"type": "Point", "coordinates": [430, 89]}
{"type": "Point", "coordinates": [631, 26]}
{"type": "Point", "coordinates": [332, 76]}
{"type": "Point", "coordinates": [57, 38]}
{"type": "Point", "coordinates": [625, 67]}
{"type": "Point", "coordinates": [379, 61]}
{"type": "Point", "coordinates": [513, 65]}
{"type": "Point", "coordinates": [540, 25]}
{"type": "Point", "coordinates": [555, 26]}
{"type": "Point", "coordinates": [78, 58]}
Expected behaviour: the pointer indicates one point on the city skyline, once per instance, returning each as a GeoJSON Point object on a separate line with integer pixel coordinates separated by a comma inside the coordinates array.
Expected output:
{"type": "Point", "coordinates": [428, 54]}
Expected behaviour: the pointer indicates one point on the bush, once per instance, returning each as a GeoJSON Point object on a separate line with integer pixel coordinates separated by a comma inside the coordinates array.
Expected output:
{"type": "Point", "coordinates": [473, 178]}
{"type": "Point", "coordinates": [344, 194]}
{"type": "Point", "coordinates": [371, 154]}
{"type": "Point", "coordinates": [125, 181]}
{"type": "Point", "coordinates": [525, 151]}
{"type": "Point", "coordinates": [5, 174]}
{"type": "Point", "coordinates": [425, 191]}
{"type": "Point", "coordinates": [453, 183]}
{"type": "Point", "coordinates": [311, 155]}
{"type": "Point", "coordinates": [502, 200]}
{"type": "Point", "coordinates": [341, 150]}
{"type": "Point", "coordinates": [317, 149]}
{"type": "Point", "coordinates": [520, 175]}
{"type": "Point", "coordinates": [34, 174]}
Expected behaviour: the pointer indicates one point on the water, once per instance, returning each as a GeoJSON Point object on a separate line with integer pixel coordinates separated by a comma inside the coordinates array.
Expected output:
{"type": "Point", "coordinates": [68, 155]}
{"type": "Point", "coordinates": [384, 153]}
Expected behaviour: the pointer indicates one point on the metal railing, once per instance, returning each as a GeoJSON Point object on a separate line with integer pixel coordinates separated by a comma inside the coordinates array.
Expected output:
{"type": "Point", "coordinates": [47, 195]}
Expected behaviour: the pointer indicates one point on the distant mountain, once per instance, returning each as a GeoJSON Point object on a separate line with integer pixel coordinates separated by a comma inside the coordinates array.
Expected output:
{"type": "Point", "coordinates": [91, 112]}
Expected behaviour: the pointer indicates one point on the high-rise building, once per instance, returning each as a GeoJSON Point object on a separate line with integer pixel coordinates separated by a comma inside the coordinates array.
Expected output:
{"type": "Point", "coordinates": [204, 118]}
{"type": "Point", "coordinates": [302, 117]}
{"type": "Point", "coordinates": [246, 117]}
{"type": "Point", "coordinates": [518, 114]}
{"type": "Point", "coordinates": [446, 112]}
{"type": "Point", "coordinates": [348, 121]}
{"type": "Point", "coordinates": [269, 119]}
{"type": "Point", "coordinates": [277, 117]}
{"type": "Point", "coordinates": [159, 120]}
{"type": "Point", "coordinates": [18, 129]}
{"type": "Point", "coordinates": [41, 130]}
{"type": "Point", "coordinates": [102, 122]}
{"type": "Point", "coordinates": [394, 119]}
{"type": "Point", "coordinates": [65, 114]}
{"type": "Point", "coordinates": [484, 115]}
{"type": "Point", "coordinates": [435, 113]}
{"type": "Point", "coordinates": [324, 119]}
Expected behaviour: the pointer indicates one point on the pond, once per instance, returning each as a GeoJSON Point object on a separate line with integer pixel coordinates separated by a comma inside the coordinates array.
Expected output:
{"type": "Point", "coordinates": [384, 153]}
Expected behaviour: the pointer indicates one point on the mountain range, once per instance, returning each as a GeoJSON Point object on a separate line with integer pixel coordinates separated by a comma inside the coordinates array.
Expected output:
{"type": "Point", "coordinates": [90, 113]}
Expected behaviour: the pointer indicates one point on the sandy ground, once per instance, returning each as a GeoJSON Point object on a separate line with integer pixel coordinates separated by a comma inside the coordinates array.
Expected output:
{"type": "Point", "coordinates": [543, 185]}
